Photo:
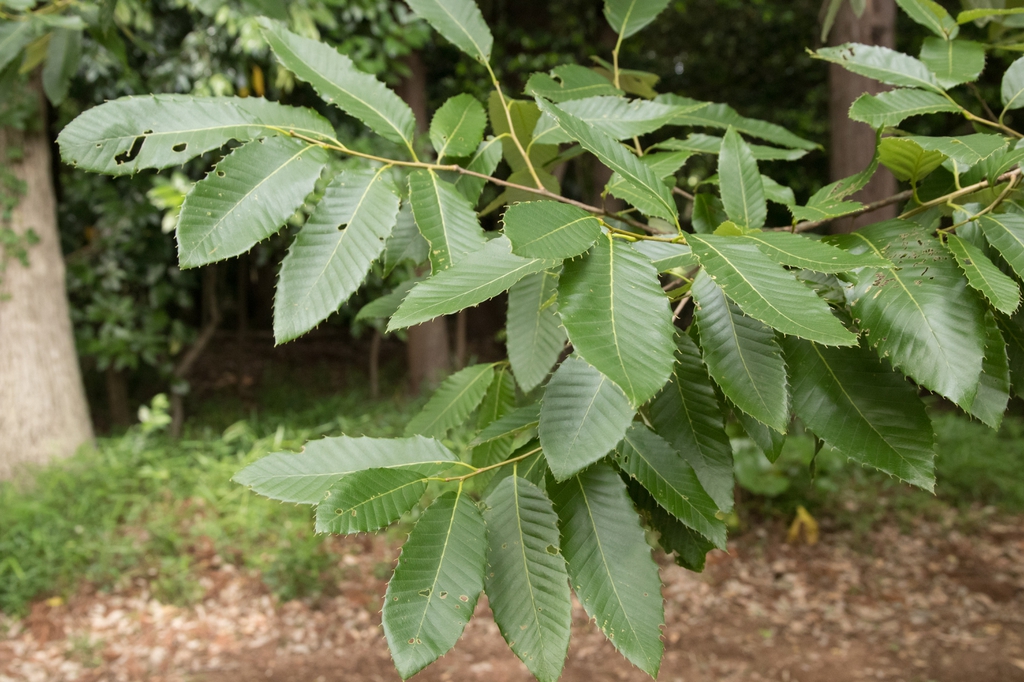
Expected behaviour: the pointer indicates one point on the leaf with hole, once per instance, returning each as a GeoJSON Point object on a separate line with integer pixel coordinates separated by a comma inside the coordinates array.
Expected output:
{"type": "Point", "coordinates": [130, 134]}
{"type": "Point", "coordinates": [526, 581]}
{"type": "Point", "coordinates": [457, 128]}
{"type": "Point", "coordinates": [1000, 290]}
{"type": "Point", "coordinates": [436, 584]}
{"type": "Point", "coordinates": [248, 197]}
{"type": "Point", "coordinates": [327, 264]}
{"type": "Point", "coordinates": [370, 500]}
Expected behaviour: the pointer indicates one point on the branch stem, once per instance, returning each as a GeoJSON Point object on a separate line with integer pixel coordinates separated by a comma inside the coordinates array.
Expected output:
{"type": "Point", "coordinates": [477, 472]}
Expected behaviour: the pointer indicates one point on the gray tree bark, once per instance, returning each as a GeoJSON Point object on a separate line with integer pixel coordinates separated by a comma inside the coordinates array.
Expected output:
{"type": "Point", "coordinates": [43, 409]}
{"type": "Point", "coordinates": [427, 348]}
{"type": "Point", "coordinates": [852, 143]}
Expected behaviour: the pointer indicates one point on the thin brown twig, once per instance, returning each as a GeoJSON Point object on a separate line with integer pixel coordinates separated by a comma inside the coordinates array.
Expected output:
{"type": "Point", "coordinates": [868, 208]}
{"type": "Point", "coordinates": [682, 192]}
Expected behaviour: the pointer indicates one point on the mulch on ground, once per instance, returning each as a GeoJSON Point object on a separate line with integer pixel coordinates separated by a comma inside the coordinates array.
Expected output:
{"type": "Point", "coordinates": [932, 604]}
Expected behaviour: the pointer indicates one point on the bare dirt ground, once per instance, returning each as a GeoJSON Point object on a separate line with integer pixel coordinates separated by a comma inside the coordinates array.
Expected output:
{"type": "Point", "coordinates": [934, 604]}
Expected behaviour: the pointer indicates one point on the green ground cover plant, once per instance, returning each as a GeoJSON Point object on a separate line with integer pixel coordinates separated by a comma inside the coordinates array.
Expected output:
{"type": "Point", "coordinates": [632, 333]}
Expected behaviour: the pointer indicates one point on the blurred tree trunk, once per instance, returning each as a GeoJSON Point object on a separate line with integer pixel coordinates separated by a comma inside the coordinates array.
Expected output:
{"type": "Point", "coordinates": [43, 409]}
{"type": "Point", "coordinates": [427, 348]}
{"type": "Point", "coordinates": [852, 143]}
{"type": "Point", "coordinates": [117, 397]}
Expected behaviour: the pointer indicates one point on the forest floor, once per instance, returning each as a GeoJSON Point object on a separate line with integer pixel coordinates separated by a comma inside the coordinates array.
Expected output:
{"type": "Point", "coordinates": [942, 601]}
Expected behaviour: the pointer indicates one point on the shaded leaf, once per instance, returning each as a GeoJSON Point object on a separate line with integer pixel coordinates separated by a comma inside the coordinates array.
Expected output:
{"type": "Point", "coordinates": [665, 256]}
{"type": "Point", "coordinates": [583, 416]}
{"type": "Point", "coordinates": [627, 17]}
{"type": "Point", "coordinates": [405, 243]}
{"type": "Point", "coordinates": [803, 252]}
{"type": "Point", "coordinates": [1001, 291]}
{"type": "Point", "coordinates": [765, 291]}
{"type": "Point", "coordinates": [687, 414]}
{"type": "Point", "coordinates": [483, 161]}
{"type": "Point", "coordinates": [511, 424]}
{"type": "Point", "coordinates": [1005, 232]}
{"type": "Point", "coordinates": [535, 334]}
{"type": "Point", "coordinates": [573, 82]}
{"type": "Point", "coordinates": [618, 117]}
{"type": "Point", "coordinates": [550, 229]}
{"type": "Point", "coordinates": [714, 115]}
{"type": "Point", "coordinates": [452, 402]}
{"type": "Point", "coordinates": [610, 563]}
{"type": "Point", "coordinates": [862, 408]}
{"type": "Point", "coordinates": [932, 16]}
{"type": "Point", "coordinates": [989, 404]}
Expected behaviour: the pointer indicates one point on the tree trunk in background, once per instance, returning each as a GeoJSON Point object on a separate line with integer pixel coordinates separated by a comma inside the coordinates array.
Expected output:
{"type": "Point", "coordinates": [852, 143]}
{"type": "Point", "coordinates": [117, 397]}
{"type": "Point", "coordinates": [427, 346]}
{"type": "Point", "coordinates": [43, 410]}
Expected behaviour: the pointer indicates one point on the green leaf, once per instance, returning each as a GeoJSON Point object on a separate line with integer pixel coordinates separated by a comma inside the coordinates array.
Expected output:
{"type": "Point", "coordinates": [437, 582]}
{"type": "Point", "coordinates": [499, 401]}
{"type": "Point", "coordinates": [776, 192]}
{"type": "Point", "coordinates": [550, 229]}
{"type": "Point", "coordinates": [665, 256]}
{"type": "Point", "coordinates": [659, 202]}
{"type": "Point", "coordinates": [524, 117]}
{"type": "Point", "coordinates": [893, 107]}
{"type": "Point", "coordinates": [370, 500]}
{"type": "Point", "coordinates": [457, 128]}
{"type": "Point", "coordinates": [326, 264]}
{"type": "Point", "coordinates": [304, 477]}
{"type": "Point", "coordinates": [336, 79]}
{"type": "Point", "coordinates": [62, 62]}
{"type": "Point", "coordinates": [650, 459]}
{"type": "Point", "coordinates": [920, 316]}
{"type": "Point", "coordinates": [247, 198]}
{"type": "Point", "coordinates": [810, 254]}
{"type": "Point", "coordinates": [627, 17]}
{"type": "Point", "coordinates": [583, 416]}
{"type": "Point", "coordinates": [713, 115]}
{"type": "Point", "coordinates": [445, 218]}
{"type": "Point", "coordinates": [480, 276]}
{"type": "Point", "coordinates": [708, 213]}
{"type": "Point", "coordinates": [1012, 329]}
{"type": "Point", "coordinates": [384, 307]}
{"type": "Point", "coordinates": [535, 334]}
{"type": "Point", "coordinates": [863, 409]}
{"type": "Point", "coordinates": [765, 291]}
{"type": "Point", "coordinates": [526, 581]}
{"type": "Point", "coordinates": [460, 22]}
{"type": "Point", "coordinates": [511, 424]}
{"type": "Point", "coordinates": [989, 404]}
{"type": "Point", "coordinates": [881, 64]}
{"type": "Point", "coordinates": [970, 15]}
{"type": "Point", "coordinates": [484, 161]}
{"type": "Point", "coordinates": [710, 144]}
{"type": "Point", "coordinates": [1001, 291]}
{"type": "Point", "coordinates": [14, 36]}
{"type": "Point", "coordinates": [908, 160]}
{"type": "Point", "coordinates": [742, 190]}
{"type": "Point", "coordinates": [610, 563]}
{"type": "Point", "coordinates": [687, 414]}
{"type": "Point", "coordinates": [618, 117]}
{"type": "Point", "coordinates": [767, 439]}
{"type": "Point", "coordinates": [405, 243]}
{"type": "Point", "coordinates": [1005, 232]}
{"type": "Point", "coordinates": [742, 354]}
{"type": "Point", "coordinates": [129, 134]}
{"type": "Point", "coordinates": [966, 150]}
{"type": "Point", "coordinates": [953, 61]}
{"type": "Point", "coordinates": [1013, 86]}
{"type": "Point", "coordinates": [673, 536]}
{"type": "Point", "coordinates": [618, 318]}
{"type": "Point", "coordinates": [574, 82]}
{"type": "Point", "coordinates": [452, 402]}
{"type": "Point", "coordinates": [932, 16]}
